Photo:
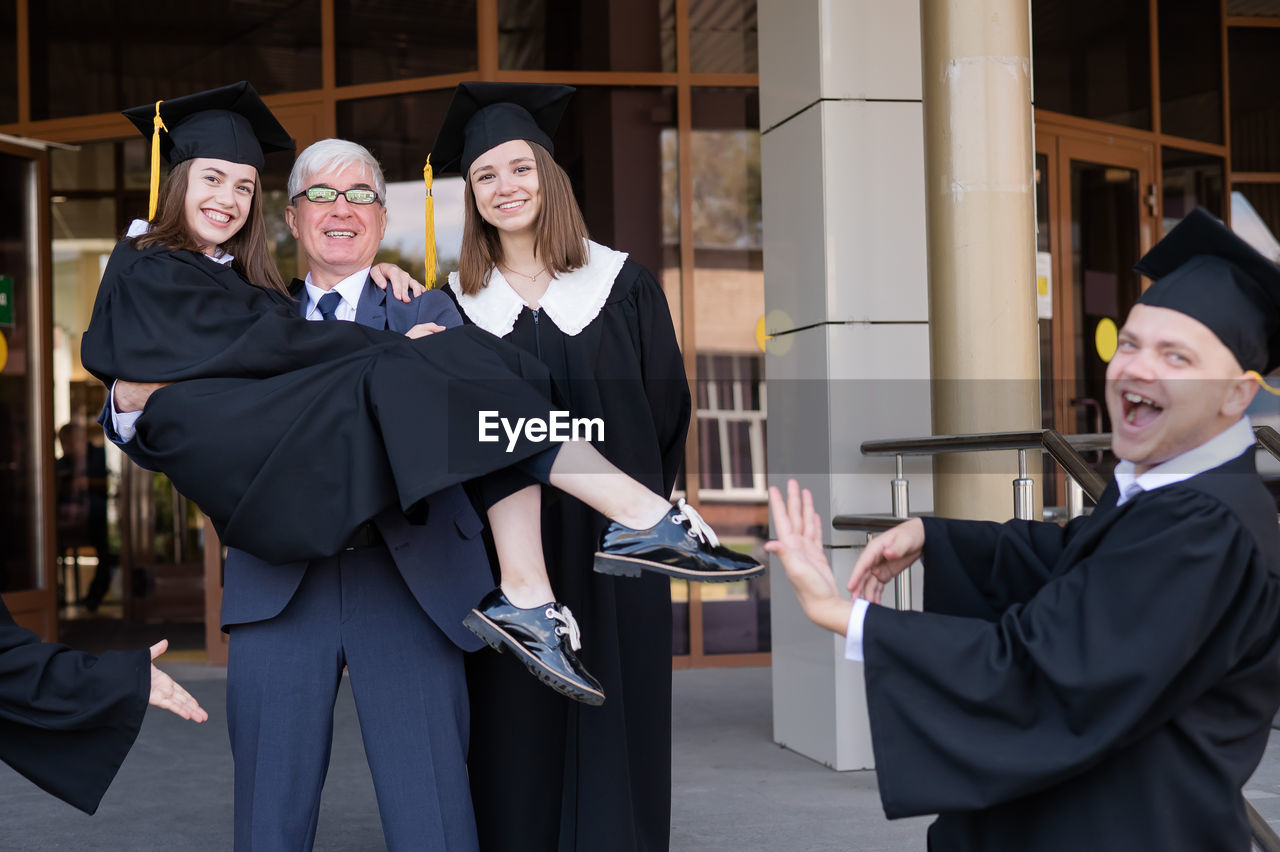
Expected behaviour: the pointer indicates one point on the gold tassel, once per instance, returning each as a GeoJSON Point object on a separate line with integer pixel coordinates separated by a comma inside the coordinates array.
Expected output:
{"type": "Point", "coordinates": [430, 241]}
{"type": "Point", "coordinates": [1257, 377]}
{"type": "Point", "coordinates": [158, 124]}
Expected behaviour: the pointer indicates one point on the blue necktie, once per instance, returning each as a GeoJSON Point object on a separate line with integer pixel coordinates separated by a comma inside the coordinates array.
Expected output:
{"type": "Point", "coordinates": [328, 305]}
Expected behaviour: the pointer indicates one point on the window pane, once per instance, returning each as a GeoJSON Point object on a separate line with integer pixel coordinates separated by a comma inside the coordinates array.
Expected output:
{"type": "Point", "coordinates": [399, 129]}
{"type": "Point", "coordinates": [722, 36]}
{"type": "Point", "coordinates": [1190, 179]}
{"type": "Point", "coordinates": [1254, 57]}
{"type": "Point", "coordinates": [1255, 216]}
{"type": "Point", "coordinates": [92, 167]}
{"type": "Point", "coordinates": [93, 57]}
{"type": "Point", "coordinates": [586, 35]}
{"type": "Point", "coordinates": [400, 39]}
{"type": "Point", "coordinates": [1092, 59]}
{"type": "Point", "coordinates": [1254, 8]}
{"type": "Point", "coordinates": [1191, 69]}
{"type": "Point", "coordinates": [728, 283]}
{"type": "Point", "coordinates": [9, 68]}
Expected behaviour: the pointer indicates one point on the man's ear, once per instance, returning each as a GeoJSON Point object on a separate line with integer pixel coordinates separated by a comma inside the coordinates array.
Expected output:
{"type": "Point", "coordinates": [1239, 396]}
{"type": "Point", "coordinates": [383, 228]}
{"type": "Point", "coordinates": [291, 219]}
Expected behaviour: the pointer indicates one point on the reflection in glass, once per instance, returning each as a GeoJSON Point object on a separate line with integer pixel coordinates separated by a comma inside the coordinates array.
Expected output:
{"type": "Point", "coordinates": [1255, 216]}
{"type": "Point", "coordinates": [1254, 59]}
{"type": "Point", "coordinates": [1104, 242]}
{"type": "Point", "coordinates": [92, 167]}
{"type": "Point", "coordinates": [1191, 69]}
{"type": "Point", "coordinates": [93, 57]}
{"type": "Point", "coordinates": [400, 39]}
{"type": "Point", "coordinates": [722, 36]}
{"type": "Point", "coordinates": [586, 35]}
{"type": "Point", "coordinates": [728, 282]}
{"type": "Point", "coordinates": [1092, 59]}
{"type": "Point", "coordinates": [1190, 180]}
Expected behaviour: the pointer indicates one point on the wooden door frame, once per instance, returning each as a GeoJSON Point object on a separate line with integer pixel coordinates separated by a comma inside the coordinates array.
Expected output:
{"type": "Point", "coordinates": [1063, 139]}
{"type": "Point", "coordinates": [37, 608]}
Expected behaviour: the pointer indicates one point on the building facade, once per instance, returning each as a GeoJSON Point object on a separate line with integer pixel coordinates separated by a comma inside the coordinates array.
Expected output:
{"type": "Point", "coordinates": [661, 142]}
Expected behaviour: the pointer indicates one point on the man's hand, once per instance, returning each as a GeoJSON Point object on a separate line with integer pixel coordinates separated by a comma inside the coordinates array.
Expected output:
{"type": "Point", "coordinates": [422, 329]}
{"type": "Point", "coordinates": [133, 396]}
{"type": "Point", "coordinates": [166, 693]}
{"type": "Point", "coordinates": [886, 556]}
{"type": "Point", "coordinates": [799, 545]}
{"type": "Point", "coordinates": [403, 285]}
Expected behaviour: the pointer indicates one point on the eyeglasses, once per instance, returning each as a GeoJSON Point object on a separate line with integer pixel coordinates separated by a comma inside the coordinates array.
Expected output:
{"type": "Point", "coordinates": [328, 195]}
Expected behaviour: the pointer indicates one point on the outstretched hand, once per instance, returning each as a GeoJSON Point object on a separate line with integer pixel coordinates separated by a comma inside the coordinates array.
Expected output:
{"type": "Point", "coordinates": [166, 693]}
{"type": "Point", "coordinates": [799, 546]}
{"type": "Point", "coordinates": [886, 556]}
{"type": "Point", "coordinates": [403, 285]}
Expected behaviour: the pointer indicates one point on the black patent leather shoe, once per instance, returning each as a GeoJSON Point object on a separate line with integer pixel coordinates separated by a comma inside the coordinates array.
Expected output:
{"type": "Point", "coordinates": [680, 545]}
{"type": "Point", "coordinates": [543, 638]}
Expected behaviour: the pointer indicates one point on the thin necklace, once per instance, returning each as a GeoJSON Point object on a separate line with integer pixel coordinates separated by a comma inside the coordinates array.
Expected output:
{"type": "Point", "coordinates": [531, 278]}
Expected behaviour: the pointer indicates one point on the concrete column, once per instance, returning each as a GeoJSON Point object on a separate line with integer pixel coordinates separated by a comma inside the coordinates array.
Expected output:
{"type": "Point", "coordinates": [847, 304]}
{"type": "Point", "coordinates": [980, 203]}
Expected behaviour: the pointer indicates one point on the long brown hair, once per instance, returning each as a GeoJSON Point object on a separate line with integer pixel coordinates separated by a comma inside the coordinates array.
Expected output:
{"type": "Point", "coordinates": [559, 234]}
{"type": "Point", "coordinates": [248, 246]}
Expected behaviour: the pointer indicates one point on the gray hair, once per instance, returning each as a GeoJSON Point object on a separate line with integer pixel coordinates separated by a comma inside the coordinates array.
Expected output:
{"type": "Point", "coordinates": [334, 155]}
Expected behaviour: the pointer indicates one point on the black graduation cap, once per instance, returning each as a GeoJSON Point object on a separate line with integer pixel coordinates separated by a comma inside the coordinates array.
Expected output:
{"type": "Point", "coordinates": [1202, 269]}
{"type": "Point", "coordinates": [228, 123]}
{"type": "Point", "coordinates": [483, 115]}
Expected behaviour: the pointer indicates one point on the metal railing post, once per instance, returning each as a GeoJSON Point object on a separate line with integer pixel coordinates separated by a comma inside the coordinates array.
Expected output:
{"type": "Point", "coordinates": [1075, 498]}
{"type": "Point", "coordinates": [1024, 503]}
{"type": "Point", "coordinates": [901, 509]}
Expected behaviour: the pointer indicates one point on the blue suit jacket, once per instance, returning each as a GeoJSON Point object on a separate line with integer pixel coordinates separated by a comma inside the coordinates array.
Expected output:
{"type": "Point", "coordinates": [441, 557]}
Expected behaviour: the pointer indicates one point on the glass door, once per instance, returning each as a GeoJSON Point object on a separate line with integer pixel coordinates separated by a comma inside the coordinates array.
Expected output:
{"type": "Point", "coordinates": [26, 433]}
{"type": "Point", "coordinates": [1096, 214]}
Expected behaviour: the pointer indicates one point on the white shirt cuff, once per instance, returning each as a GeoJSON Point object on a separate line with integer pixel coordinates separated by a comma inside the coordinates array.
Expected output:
{"type": "Point", "coordinates": [853, 636]}
{"type": "Point", "coordinates": [122, 421]}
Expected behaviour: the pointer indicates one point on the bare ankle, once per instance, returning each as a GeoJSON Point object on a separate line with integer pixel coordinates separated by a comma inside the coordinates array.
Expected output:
{"type": "Point", "coordinates": [527, 596]}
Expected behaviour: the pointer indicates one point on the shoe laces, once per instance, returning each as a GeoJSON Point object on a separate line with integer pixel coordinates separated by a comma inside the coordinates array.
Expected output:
{"type": "Point", "coordinates": [568, 625]}
{"type": "Point", "coordinates": [697, 525]}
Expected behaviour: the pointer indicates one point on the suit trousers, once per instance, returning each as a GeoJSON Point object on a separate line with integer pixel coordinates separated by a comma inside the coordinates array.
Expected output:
{"type": "Point", "coordinates": [407, 678]}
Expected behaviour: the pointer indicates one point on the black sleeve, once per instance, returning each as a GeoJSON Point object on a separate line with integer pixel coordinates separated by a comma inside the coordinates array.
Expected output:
{"type": "Point", "coordinates": [67, 719]}
{"type": "Point", "coordinates": [967, 713]}
{"type": "Point", "coordinates": [980, 568]}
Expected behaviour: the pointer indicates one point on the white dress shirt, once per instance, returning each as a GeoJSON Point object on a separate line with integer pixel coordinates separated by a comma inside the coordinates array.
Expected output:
{"type": "Point", "coordinates": [1218, 450]}
{"type": "Point", "coordinates": [348, 288]}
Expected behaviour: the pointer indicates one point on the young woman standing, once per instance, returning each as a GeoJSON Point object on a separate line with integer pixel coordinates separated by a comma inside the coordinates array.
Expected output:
{"type": "Point", "coordinates": [599, 321]}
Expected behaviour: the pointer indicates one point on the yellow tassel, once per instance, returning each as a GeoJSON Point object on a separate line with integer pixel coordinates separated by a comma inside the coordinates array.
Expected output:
{"type": "Point", "coordinates": [430, 238]}
{"type": "Point", "coordinates": [1257, 377]}
{"type": "Point", "coordinates": [158, 124]}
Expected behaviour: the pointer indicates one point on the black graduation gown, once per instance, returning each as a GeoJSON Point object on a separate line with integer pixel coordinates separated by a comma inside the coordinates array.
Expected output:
{"type": "Point", "coordinates": [1110, 684]}
{"type": "Point", "coordinates": [268, 407]}
{"type": "Point", "coordinates": [548, 773]}
{"type": "Point", "coordinates": [68, 719]}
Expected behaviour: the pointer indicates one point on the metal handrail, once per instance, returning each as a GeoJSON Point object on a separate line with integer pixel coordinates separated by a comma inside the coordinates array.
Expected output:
{"type": "Point", "coordinates": [1026, 439]}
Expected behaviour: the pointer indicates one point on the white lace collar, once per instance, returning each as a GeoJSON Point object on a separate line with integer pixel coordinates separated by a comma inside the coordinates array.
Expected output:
{"type": "Point", "coordinates": [572, 300]}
